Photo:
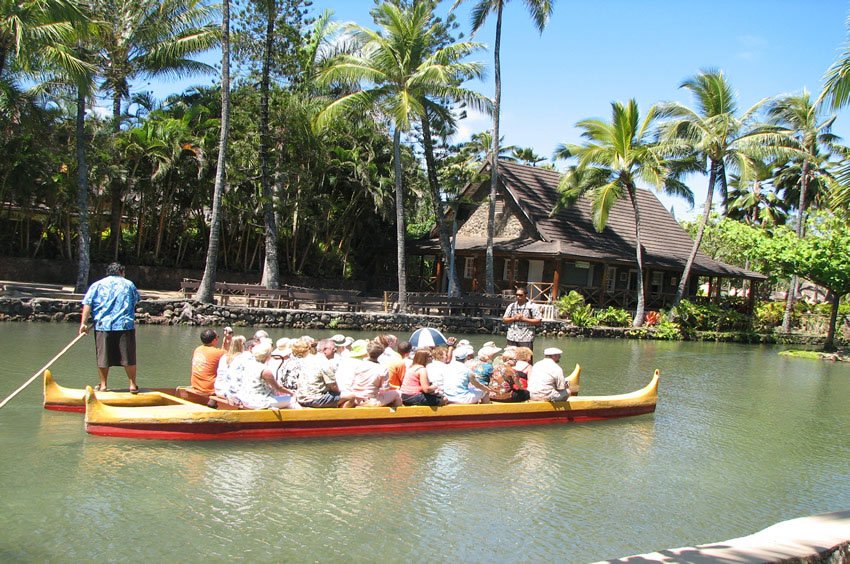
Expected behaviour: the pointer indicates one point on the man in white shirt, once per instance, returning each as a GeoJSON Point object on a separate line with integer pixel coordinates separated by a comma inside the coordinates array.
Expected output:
{"type": "Point", "coordinates": [522, 317]}
{"type": "Point", "coordinates": [547, 381]}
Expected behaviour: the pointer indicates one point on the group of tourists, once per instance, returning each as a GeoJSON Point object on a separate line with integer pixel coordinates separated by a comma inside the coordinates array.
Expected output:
{"type": "Point", "coordinates": [258, 373]}
{"type": "Point", "coordinates": [339, 371]}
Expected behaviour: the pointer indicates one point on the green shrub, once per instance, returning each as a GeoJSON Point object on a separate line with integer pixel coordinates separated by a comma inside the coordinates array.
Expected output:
{"type": "Point", "coordinates": [613, 317]}
{"type": "Point", "coordinates": [710, 317]}
{"type": "Point", "coordinates": [768, 315]}
{"type": "Point", "coordinates": [583, 316]}
{"type": "Point", "coordinates": [569, 303]}
{"type": "Point", "coordinates": [667, 330]}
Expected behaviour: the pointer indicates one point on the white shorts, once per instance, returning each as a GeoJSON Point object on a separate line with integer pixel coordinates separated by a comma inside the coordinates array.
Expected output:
{"type": "Point", "coordinates": [474, 395]}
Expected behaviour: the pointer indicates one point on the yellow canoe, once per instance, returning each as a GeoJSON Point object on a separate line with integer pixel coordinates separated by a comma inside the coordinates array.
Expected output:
{"type": "Point", "coordinates": [60, 398]}
{"type": "Point", "coordinates": [183, 419]}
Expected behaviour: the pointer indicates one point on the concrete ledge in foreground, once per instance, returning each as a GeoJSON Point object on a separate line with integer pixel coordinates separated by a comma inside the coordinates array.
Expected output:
{"type": "Point", "coordinates": [820, 538]}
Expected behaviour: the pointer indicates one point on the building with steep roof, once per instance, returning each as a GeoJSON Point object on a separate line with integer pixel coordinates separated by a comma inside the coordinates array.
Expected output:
{"type": "Point", "coordinates": [552, 252]}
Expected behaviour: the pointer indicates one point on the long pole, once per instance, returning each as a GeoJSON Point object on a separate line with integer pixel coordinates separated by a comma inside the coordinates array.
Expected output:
{"type": "Point", "coordinates": [42, 369]}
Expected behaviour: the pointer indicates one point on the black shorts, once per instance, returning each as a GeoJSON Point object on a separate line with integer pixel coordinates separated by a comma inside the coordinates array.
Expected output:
{"type": "Point", "coordinates": [115, 348]}
{"type": "Point", "coordinates": [421, 399]}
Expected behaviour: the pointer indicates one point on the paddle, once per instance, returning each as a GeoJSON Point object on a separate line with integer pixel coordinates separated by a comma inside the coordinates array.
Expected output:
{"type": "Point", "coordinates": [42, 369]}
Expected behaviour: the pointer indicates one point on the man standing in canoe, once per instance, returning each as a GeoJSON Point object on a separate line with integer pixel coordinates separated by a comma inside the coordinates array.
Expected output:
{"type": "Point", "coordinates": [111, 301]}
{"type": "Point", "coordinates": [522, 316]}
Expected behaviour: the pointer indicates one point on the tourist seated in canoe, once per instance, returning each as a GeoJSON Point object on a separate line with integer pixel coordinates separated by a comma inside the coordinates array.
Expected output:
{"type": "Point", "coordinates": [547, 381]}
{"type": "Point", "coordinates": [205, 360]}
{"type": "Point", "coordinates": [390, 344]}
{"type": "Point", "coordinates": [524, 356]}
{"type": "Point", "coordinates": [482, 366]}
{"type": "Point", "coordinates": [290, 371]}
{"type": "Point", "coordinates": [436, 369]}
{"type": "Point", "coordinates": [397, 367]}
{"type": "Point", "coordinates": [259, 388]}
{"type": "Point", "coordinates": [349, 364]}
{"type": "Point", "coordinates": [504, 384]}
{"type": "Point", "coordinates": [371, 381]}
{"type": "Point", "coordinates": [317, 385]}
{"type": "Point", "coordinates": [230, 375]}
{"type": "Point", "coordinates": [416, 389]}
{"type": "Point", "coordinates": [343, 346]}
{"type": "Point", "coordinates": [459, 384]}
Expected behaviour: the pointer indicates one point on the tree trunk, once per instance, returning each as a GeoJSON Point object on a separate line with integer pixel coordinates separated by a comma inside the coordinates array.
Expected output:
{"type": "Point", "coordinates": [84, 237]}
{"type": "Point", "coordinates": [271, 271]}
{"type": "Point", "coordinates": [639, 311]}
{"type": "Point", "coordinates": [494, 156]}
{"type": "Point", "coordinates": [791, 296]}
{"type": "Point", "coordinates": [683, 283]}
{"type": "Point", "coordinates": [439, 209]}
{"type": "Point", "coordinates": [116, 191]}
{"type": "Point", "coordinates": [399, 221]}
{"type": "Point", "coordinates": [206, 288]}
{"type": "Point", "coordinates": [829, 344]}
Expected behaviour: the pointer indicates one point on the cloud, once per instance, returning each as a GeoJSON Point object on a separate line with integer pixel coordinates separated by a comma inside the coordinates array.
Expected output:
{"type": "Point", "coordinates": [474, 122]}
{"type": "Point", "coordinates": [751, 47]}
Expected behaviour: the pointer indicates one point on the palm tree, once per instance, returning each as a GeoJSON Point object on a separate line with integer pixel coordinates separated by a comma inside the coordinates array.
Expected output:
{"type": "Point", "coordinates": [805, 126]}
{"type": "Point", "coordinates": [836, 81]}
{"type": "Point", "coordinates": [206, 288]}
{"type": "Point", "coordinates": [540, 11]}
{"type": "Point", "coordinates": [719, 137]}
{"type": "Point", "coordinates": [144, 39]}
{"type": "Point", "coordinates": [616, 157]}
{"type": "Point", "coordinates": [403, 70]}
{"type": "Point", "coordinates": [528, 156]}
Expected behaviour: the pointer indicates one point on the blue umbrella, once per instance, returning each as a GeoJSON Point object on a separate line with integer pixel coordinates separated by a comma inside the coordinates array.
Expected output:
{"type": "Point", "coordinates": [427, 337]}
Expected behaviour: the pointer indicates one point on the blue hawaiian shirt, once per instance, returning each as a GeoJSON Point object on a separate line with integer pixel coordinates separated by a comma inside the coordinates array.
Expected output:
{"type": "Point", "coordinates": [113, 303]}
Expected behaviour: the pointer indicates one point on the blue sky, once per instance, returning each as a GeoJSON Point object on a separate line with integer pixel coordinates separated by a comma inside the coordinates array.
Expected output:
{"type": "Point", "coordinates": [597, 51]}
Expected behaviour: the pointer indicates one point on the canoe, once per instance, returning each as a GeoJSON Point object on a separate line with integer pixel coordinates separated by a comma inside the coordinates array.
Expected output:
{"type": "Point", "coordinates": [60, 398]}
{"type": "Point", "coordinates": [183, 419]}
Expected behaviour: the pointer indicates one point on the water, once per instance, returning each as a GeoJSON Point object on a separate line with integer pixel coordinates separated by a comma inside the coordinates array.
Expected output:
{"type": "Point", "coordinates": [742, 438]}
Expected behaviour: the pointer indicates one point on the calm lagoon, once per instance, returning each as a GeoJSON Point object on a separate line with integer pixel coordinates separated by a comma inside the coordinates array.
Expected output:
{"type": "Point", "coordinates": [742, 438]}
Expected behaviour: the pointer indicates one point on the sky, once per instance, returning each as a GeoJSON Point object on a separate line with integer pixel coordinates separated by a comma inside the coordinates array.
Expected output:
{"type": "Point", "coordinates": [594, 52]}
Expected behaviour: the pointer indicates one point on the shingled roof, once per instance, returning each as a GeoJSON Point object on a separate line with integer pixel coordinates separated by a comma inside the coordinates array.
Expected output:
{"type": "Point", "coordinates": [569, 233]}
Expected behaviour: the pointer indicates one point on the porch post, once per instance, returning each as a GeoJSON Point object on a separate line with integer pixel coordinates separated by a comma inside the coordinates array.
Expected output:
{"type": "Point", "coordinates": [604, 287]}
{"type": "Point", "coordinates": [710, 288]}
{"type": "Point", "coordinates": [556, 280]}
{"type": "Point", "coordinates": [512, 278]}
{"type": "Point", "coordinates": [438, 284]}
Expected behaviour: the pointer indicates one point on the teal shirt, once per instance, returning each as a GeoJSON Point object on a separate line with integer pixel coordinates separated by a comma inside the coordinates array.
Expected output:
{"type": "Point", "coordinates": [113, 303]}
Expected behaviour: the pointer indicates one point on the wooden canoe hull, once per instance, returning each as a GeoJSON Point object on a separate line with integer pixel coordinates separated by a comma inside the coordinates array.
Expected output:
{"type": "Point", "coordinates": [185, 420]}
{"type": "Point", "coordinates": [60, 398]}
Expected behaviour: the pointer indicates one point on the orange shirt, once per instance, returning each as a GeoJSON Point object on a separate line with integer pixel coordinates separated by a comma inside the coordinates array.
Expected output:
{"type": "Point", "coordinates": [204, 365]}
{"type": "Point", "coordinates": [397, 368]}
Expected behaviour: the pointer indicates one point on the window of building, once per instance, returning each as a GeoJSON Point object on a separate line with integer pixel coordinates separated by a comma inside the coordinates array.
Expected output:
{"type": "Point", "coordinates": [468, 267]}
{"type": "Point", "coordinates": [509, 269]}
{"type": "Point", "coordinates": [611, 276]}
{"type": "Point", "coordinates": [656, 286]}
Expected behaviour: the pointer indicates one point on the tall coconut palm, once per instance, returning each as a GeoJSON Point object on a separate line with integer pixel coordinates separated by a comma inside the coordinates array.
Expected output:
{"type": "Point", "coordinates": [401, 68]}
{"type": "Point", "coordinates": [146, 39]}
{"type": "Point", "coordinates": [540, 11]}
{"type": "Point", "coordinates": [805, 124]}
{"type": "Point", "coordinates": [206, 288]}
{"type": "Point", "coordinates": [836, 81]}
{"type": "Point", "coordinates": [617, 156]}
{"type": "Point", "coordinates": [719, 138]}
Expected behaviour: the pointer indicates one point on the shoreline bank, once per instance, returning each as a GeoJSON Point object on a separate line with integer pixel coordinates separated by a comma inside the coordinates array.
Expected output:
{"type": "Point", "coordinates": [192, 313]}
